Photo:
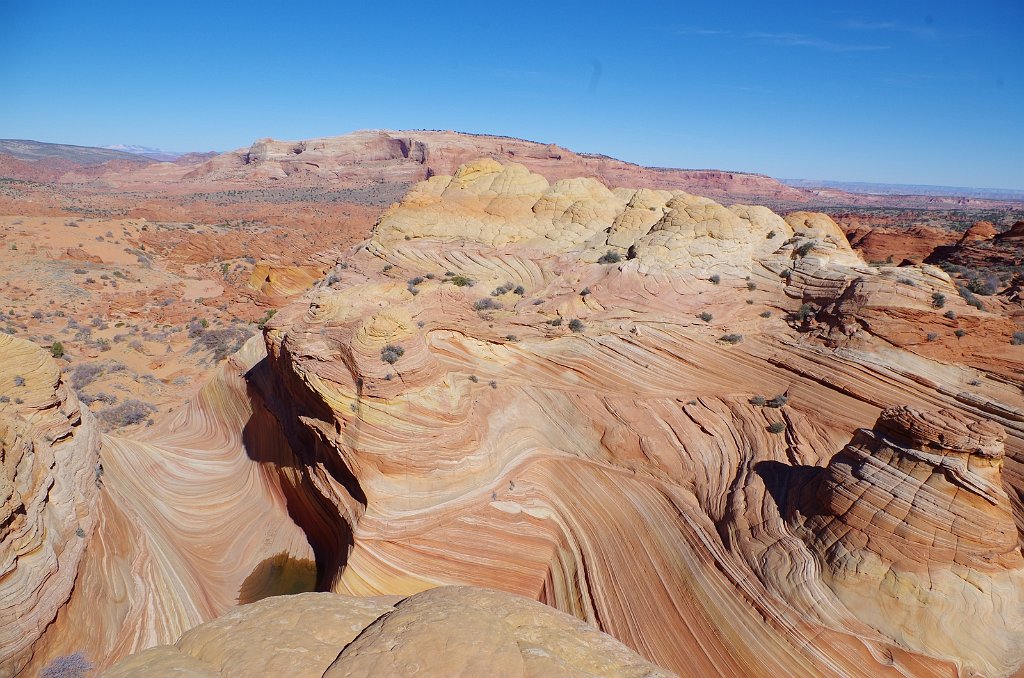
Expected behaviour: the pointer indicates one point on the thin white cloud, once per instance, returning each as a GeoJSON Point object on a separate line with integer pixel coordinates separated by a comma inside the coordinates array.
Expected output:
{"type": "Point", "coordinates": [801, 40]}
{"type": "Point", "coordinates": [700, 31]}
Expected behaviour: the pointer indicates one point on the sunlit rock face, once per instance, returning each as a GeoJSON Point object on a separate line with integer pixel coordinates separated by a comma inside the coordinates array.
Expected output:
{"type": "Point", "coordinates": [714, 433]}
{"type": "Point", "coordinates": [915, 534]}
{"type": "Point", "coordinates": [622, 467]}
{"type": "Point", "coordinates": [49, 453]}
{"type": "Point", "coordinates": [480, 632]}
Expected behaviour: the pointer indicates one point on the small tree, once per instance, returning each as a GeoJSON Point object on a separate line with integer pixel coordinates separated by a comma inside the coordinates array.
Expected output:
{"type": "Point", "coordinates": [57, 349]}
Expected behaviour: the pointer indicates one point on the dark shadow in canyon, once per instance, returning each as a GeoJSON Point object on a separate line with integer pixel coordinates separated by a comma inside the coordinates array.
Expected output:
{"type": "Point", "coordinates": [274, 438]}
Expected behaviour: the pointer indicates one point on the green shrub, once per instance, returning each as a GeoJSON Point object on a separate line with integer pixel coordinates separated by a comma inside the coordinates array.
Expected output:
{"type": "Point", "coordinates": [960, 333]}
{"type": "Point", "coordinates": [705, 316]}
{"type": "Point", "coordinates": [950, 314]}
{"type": "Point", "coordinates": [757, 400]}
{"type": "Point", "coordinates": [461, 281]}
{"type": "Point", "coordinates": [57, 349]}
{"type": "Point", "coordinates": [938, 299]}
{"type": "Point", "coordinates": [777, 427]}
{"type": "Point", "coordinates": [804, 312]}
{"type": "Point", "coordinates": [778, 401]}
{"type": "Point", "coordinates": [576, 325]}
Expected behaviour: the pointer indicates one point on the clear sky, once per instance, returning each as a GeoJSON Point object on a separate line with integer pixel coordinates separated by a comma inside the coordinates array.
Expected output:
{"type": "Point", "coordinates": [894, 91]}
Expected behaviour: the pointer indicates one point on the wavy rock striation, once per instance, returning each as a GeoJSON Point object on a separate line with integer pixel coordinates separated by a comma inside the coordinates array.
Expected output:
{"type": "Point", "coordinates": [633, 405]}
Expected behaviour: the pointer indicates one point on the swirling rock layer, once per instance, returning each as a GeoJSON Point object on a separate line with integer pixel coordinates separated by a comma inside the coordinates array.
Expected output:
{"type": "Point", "coordinates": [513, 384]}
{"type": "Point", "coordinates": [633, 405]}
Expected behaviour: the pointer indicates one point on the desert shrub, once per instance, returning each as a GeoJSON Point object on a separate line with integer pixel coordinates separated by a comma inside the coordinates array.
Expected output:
{"type": "Point", "coordinates": [960, 333]}
{"type": "Point", "coordinates": [715, 279]}
{"type": "Point", "coordinates": [520, 290]}
{"type": "Point", "coordinates": [804, 312]}
{"type": "Point", "coordinates": [86, 373]}
{"type": "Point", "coordinates": [262, 322]}
{"type": "Point", "coordinates": [387, 267]}
{"type": "Point", "coordinates": [128, 413]}
{"type": "Point", "coordinates": [555, 322]}
{"type": "Point", "coordinates": [511, 337]}
{"type": "Point", "coordinates": [751, 285]}
{"type": "Point", "coordinates": [501, 289]}
{"type": "Point", "coordinates": [949, 314]}
{"type": "Point", "coordinates": [38, 315]}
{"type": "Point", "coordinates": [757, 400]}
{"type": "Point", "coordinates": [486, 304]}
{"type": "Point", "coordinates": [906, 281]}
{"type": "Point", "coordinates": [57, 349]}
{"type": "Point", "coordinates": [938, 299]}
{"type": "Point", "coordinates": [610, 257]}
{"type": "Point", "coordinates": [67, 666]}
{"type": "Point", "coordinates": [576, 325]}
{"type": "Point", "coordinates": [80, 271]}
{"type": "Point", "coordinates": [932, 336]}
{"type": "Point", "coordinates": [984, 286]}
{"type": "Point", "coordinates": [221, 343]}
{"type": "Point", "coordinates": [473, 378]}
{"type": "Point", "coordinates": [391, 353]}
{"type": "Point", "coordinates": [416, 281]}
{"type": "Point", "coordinates": [195, 328]}
{"type": "Point", "coordinates": [461, 281]}
{"type": "Point", "coordinates": [969, 297]}
{"type": "Point", "coordinates": [731, 338]}
{"type": "Point", "coordinates": [705, 316]}
{"type": "Point", "coordinates": [765, 314]}
{"type": "Point", "coordinates": [805, 249]}
{"type": "Point", "coordinates": [5, 399]}
{"type": "Point", "coordinates": [777, 427]}
{"type": "Point", "coordinates": [585, 291]}
{"type": "Point", "coordinates": [778, 401]}
{"type": "Point", "coordinates": [1017, 339]}
{"type": "Point", "coordinates": [19, 380]}
{"type": "Point", "coordinates": [771, 234]}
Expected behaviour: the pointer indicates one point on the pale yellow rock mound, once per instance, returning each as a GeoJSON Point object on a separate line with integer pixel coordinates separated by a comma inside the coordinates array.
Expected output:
{"type": "Point", "coordinates": [447, 632]}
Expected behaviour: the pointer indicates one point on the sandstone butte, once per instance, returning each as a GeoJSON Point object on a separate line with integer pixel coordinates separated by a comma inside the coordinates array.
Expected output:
{"type": "Point", "coordinates": [712, 433]}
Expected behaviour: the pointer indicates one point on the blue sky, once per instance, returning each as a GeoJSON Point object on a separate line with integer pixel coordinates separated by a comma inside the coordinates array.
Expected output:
{"type": "Point", "coordinates": [895, 91]}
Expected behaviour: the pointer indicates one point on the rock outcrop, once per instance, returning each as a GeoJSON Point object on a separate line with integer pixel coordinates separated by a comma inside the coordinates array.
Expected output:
{"type": "Point", "coordinates": [49, 451]}
{"type": "Point", "coordinates": [450, 631]}
{"type": "Point", "coordinates": [633, 405]}
{"type": "Point", "coordinates": [915, 534]}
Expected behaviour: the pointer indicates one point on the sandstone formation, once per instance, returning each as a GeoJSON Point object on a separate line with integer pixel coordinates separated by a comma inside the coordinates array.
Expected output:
{"type": "Point", "coordinates": [712, 432]}
{"type": "Point", "coordinates": [450, 631]}
{"type": "Point", "coordinates": [49, 450]}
